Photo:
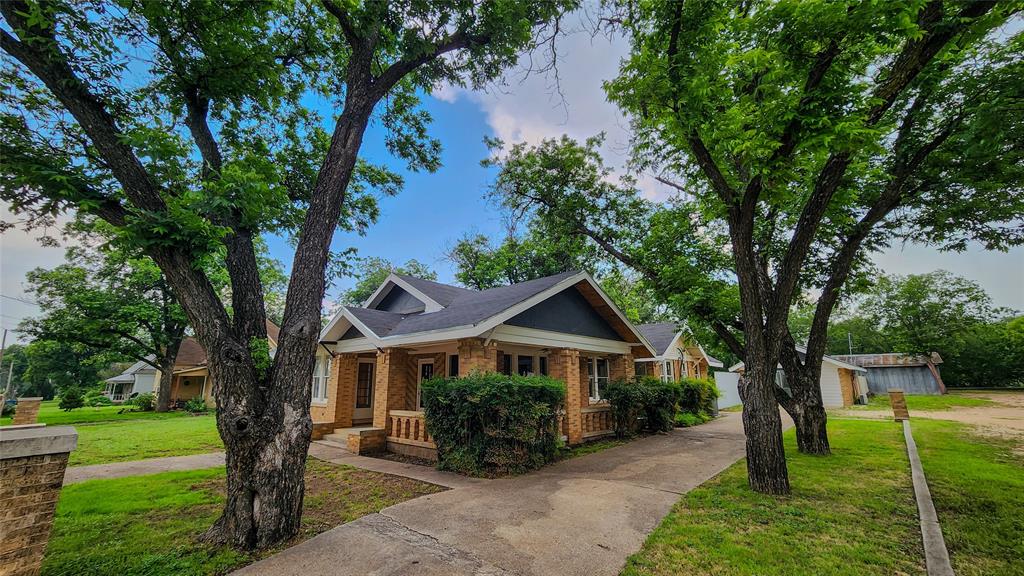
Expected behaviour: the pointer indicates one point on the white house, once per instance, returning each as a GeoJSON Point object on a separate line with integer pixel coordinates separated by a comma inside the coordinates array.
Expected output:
{"type": "Point", "coordinates": [842, 384]}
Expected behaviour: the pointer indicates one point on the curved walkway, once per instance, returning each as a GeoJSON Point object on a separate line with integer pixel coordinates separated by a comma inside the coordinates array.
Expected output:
{"type": "Point", "coordinates": [77, 474]}
{"type": "Point", "coordinates": [582, 516]}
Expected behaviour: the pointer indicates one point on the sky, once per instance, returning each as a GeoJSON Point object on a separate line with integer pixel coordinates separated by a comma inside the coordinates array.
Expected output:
{"type": "Point", "coordinates": [434, 210]}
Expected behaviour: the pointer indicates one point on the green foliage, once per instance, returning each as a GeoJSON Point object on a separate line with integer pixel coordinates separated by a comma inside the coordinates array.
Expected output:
{"type": "Point", "coordinates": [371, 273]}
{"type": "Point", "coordinates": [493, 424]}
{"type": "Point", "coordinates": [70, 399]}
{"type": "Point", "coordinates": [697, 396]}
{"type": "Point", "coordinates": [95, 398]}
{"type": "Point", "coordinates": [687, 419]}
{"type": "Point", "coordinates": [643, 404]}
{"type": "Point", "coordinates": [259, 349]}
{"type": "Point", "coordinates": [145, 402]}
{"type": "Point", "coordinates": [52, 366]}
{"type": "Point", "coordinates": [196, 406]}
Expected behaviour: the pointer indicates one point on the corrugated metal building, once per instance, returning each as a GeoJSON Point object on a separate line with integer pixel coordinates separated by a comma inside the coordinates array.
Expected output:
{"type": "Point", "coordinates": [893, 371]}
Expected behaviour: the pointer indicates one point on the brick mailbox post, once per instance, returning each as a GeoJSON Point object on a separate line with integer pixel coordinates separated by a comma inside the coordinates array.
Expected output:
{"type": "Point", "coordinates": [32, 463]}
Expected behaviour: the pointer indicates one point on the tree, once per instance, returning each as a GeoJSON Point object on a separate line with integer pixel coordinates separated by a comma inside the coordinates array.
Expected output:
{"type": "Point", "coordinates": [12, 371]}
{"type": "Point", "coordinates": [71, 398]}
{"type": "Point", "coordinates": [792, 135]}
{"type": "Point", "coordinates": [108, 298]}
{"type": "Point", "coordinates": [53, 367]}
{"type": "Point", "coordinates": [373, 271]}
{"type": "Point", "coordinates": [185, 126]}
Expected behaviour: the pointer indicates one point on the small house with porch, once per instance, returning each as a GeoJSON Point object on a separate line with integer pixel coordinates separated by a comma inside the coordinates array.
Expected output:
{"type": "Point", "coordinates": [373, 358]}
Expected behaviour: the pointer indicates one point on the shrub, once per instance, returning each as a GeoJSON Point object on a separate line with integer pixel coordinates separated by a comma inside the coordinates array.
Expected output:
{"type": "Point", "coordinates": [70, 399]}
{"type": "Point", "coordinates": [698, 396]}
{"type": "Point", "coordinates": [196, 405]}
{"type": "Point", "coordinates": [687, 419]}
{"type": "Point", "coordinates": [494, 424]}
{"type": "Point", "coordinates": [644, 403]}
{"type": "Point", "coordinates": [96, 398]}
{"type": "Point", "coordinates": [8, 407]}
{"type": "Point", "coordinates": [144, 402]}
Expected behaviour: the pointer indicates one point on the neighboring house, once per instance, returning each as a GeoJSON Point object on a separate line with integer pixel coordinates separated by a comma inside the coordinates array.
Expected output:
{"type": "Point", "coordinates": [191, 376]}
{"type": "Point", "coordinates": [842, 384]}
{"type": "Point", "coordinates": [678, 354]}
{"type": "Point", "coordinates": [373, 358]}
{"type": "Point", "coordinates": [910, 373]}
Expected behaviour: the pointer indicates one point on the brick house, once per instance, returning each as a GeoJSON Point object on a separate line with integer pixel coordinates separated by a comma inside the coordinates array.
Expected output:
{"type": "Point", "coordinates": [191, 376]}
{"type": "Point", "coordinates": [678, 355]}
{"type": "Point", "coordinates": [372, 358]}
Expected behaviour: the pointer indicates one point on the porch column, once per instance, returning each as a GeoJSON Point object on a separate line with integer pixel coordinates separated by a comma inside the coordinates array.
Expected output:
{"type": "Point", "coordinates": [564, 365]}
{"type": "Point", "coordinates": [475, 356]}
{"type": "Point", "coordinates": [342, 386]}
{"type": "Point", "coordinates": [390, 384]}
{"type": "Point", "coordinates": [620, 367]}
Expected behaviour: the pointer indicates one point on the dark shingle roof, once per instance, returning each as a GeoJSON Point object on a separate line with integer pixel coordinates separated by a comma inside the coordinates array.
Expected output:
{"type": "Point", "coordinates": [660, 335]}
{"type": "Point", "coordinates": [443, 294]}
{"type": "Point", "coordinates": [466, 308]}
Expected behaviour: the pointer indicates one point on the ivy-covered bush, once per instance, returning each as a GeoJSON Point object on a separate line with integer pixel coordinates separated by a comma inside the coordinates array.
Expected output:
{"type": "Point", "coordinates": [145, 402]}
{"type": "Point", "coordinates": [494, 424]}
{"type": "Point", "coordinates": [698, 396]}
{"type": "Point", "coordinates": [643, 403]}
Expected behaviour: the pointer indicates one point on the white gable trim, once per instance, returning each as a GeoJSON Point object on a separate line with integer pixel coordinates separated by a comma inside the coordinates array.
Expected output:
{"type": "Point", "coordinates": [394, 280]}
{"type": "Point", "coordinates": [826, 359]}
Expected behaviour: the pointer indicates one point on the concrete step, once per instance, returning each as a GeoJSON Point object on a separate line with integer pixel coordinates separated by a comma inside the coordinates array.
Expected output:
{"type": "Point", "coordinates": [334, 443]}
{"type": "Point", "coordinates": [340, 438]}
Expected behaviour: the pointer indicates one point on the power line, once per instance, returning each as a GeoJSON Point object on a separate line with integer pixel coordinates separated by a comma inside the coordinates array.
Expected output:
{"type": "Point", "coordinates": [22, 300]}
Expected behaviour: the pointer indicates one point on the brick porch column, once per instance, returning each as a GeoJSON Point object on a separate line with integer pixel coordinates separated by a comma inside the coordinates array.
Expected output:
{"type": "Point", "coordinates": [32, 463]}
{"type": "Point", "coordinates": [27, 411]}
{"type": "Point", "coordinates": [343, 384]}
{"type": "Point", "coordinates": [475, 356]}
{"type": "Point", "coordinates": [564, 365]}
{"type": "Point", "coordinates": [620, 367]}
{"type": "Point", "coordinates": [390, 384]}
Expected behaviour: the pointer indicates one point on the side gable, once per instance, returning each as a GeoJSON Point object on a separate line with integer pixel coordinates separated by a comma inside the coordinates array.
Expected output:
{"type": "Point", "coordinates": [568, 312]}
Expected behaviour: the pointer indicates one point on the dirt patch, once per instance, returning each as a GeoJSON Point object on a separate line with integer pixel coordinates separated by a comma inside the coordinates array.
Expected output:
{"type": "Point", "coordinates": [1002, 419]}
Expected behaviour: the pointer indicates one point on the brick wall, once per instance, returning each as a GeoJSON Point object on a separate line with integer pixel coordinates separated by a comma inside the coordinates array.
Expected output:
{"type": "Point", "coordinates": [564, 365]}
{"type": "Point", "coordinates": [392, 377]}
{"type": "Point", "coordinates": [475, 356]}
{"type": "Point", "coordinates": [27, 411]}
{"type": "Point", "coordinates": [32, 463]}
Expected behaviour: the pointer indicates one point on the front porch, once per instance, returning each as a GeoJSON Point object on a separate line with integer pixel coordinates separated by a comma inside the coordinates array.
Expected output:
{"type": "Point", "coordinates": [373, 397]}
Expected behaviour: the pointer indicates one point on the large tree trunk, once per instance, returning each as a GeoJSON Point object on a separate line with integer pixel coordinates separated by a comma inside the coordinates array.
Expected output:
{"type": "Point", "coordinates": [803, 403]}
{"type": "Point", "coordinates": [766, 456]}
{"type": "Point", "coordinates": [163, 392]}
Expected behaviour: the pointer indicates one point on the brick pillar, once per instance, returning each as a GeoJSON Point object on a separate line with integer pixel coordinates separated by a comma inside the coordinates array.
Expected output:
{"type": "Point", "coordinates": [32, 463]}
{"type": "Point", "coordinates": [27, 411]}
{"type": "Point", "coordinates": [344, 371]}
{"type": "Point", "coordinates": [564, 365]}
{"type": "Point", "coordinates": [620, 367]}
{"type": "Point", "coordinates": [474, 356]}
{"type": "Point", "coordinates": [391, 380]}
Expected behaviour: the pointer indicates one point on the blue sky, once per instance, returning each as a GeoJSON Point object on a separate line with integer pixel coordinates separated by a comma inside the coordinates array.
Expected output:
{"type": "Point", "coordinates": [435, 209]}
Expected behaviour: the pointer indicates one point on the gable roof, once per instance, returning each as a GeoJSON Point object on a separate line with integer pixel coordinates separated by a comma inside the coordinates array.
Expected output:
{"type": "Point", "coordinates": [660, 335]}
{"type": "Point", "coordinates": [802, 351]}
{"type": "Point", "coordinates": [470, 310]}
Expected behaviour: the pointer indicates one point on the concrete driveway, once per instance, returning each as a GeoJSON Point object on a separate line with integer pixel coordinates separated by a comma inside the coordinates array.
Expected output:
{"type": "Point", "coordinates": [582, 516]}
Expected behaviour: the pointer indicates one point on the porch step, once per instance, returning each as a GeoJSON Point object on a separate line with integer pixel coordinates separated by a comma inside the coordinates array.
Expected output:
{"type": "Point", "coordinates": [339, 444]}
{"type": "Point", "coordinates": [339, 438]}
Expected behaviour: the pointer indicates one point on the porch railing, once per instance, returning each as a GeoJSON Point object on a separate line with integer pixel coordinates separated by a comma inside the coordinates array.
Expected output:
{"type": "Point", "coordinates": [408, 427]}
{"type": "Point", "coordinates": [597, 420]}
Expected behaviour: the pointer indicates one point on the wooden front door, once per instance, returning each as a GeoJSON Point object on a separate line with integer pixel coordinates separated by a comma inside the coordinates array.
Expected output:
{"type": "Point", "coordinates": [364, 392]}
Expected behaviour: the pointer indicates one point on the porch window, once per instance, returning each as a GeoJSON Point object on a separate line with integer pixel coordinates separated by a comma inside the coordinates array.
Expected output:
{"type": "Point", "coordinates": [597, 375]}
{"type": "Point", "coordinates": [364, 385]}
{"type": "Point", "coordinates": [524, 365]}
{"type": "Point", "coordinates": [506, 364]}
{"type": "Point", "coordinates": [666, 372]}
{"type": "Point", "coordinates": [542, 362]}
{"type": "Point", "coordinates": [640, 368]}
{"type": "Point", "coordinates": [321, 370]}
{"type": "Point", "coordinates": [453, 365]}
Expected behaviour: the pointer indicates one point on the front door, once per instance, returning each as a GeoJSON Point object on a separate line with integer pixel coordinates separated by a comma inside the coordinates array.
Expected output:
{"type": "Point", "coordinates": [364, 392]}
{"type": "Point", "coordinates": [425, 372]}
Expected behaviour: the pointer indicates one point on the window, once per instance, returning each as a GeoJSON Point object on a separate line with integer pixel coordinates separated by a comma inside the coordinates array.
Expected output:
{"type": "Point", "coordinates": [321, 370]}
{"type": "Point", "coordinates": [426, 372]}
{"type": "Point", "coordinates": [666, 371]}
{"type": "Point", "coordinates": [542, 361]}
{"type": "Point", "coordinates": [364, 385]}
{"type": "Point", "coordinates": [506, 364]}
{"type": "Point", "coordinates": [640, 368]}
{"type": "Point", "coordinates": [524, 365]}
{"type": "Point", "coordinates": [597, 375]}
{"type": "Point", "coordinates": [453, 365]}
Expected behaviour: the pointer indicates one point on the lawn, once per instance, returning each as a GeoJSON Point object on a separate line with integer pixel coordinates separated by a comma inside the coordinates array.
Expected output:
{"type": "Point", "coordinates": [149, 524]}
{"type": "Point", "coordinates": [977, 484]}
{"type": "Point", "coordinates": [121, 441]}
{"type": "Point", "coordinates": [924, 403]}
{"type": "Point", "coordinates": [851, 513]}
{"type": "Point", "coordinates": [51, 414]}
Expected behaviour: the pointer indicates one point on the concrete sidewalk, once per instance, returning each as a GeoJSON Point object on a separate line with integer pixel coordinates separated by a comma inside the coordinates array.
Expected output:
{"type": "Point", "coordinates": [582, 516]}
{"type": "Point", "coordinates": [77, 474]}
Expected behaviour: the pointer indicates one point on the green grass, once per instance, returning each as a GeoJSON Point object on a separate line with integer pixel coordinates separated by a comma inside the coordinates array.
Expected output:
{"type": "Point", "coordinates": [101, 443]}
{"type": "Point", "coordinates": [925, 403]}
{"type": "Point", "coordinates": [51, 414]}
{"type": "Point", "coordinates": [149, 524]}
{"type": "Point", "coordinates": [851, 513]}
{"type": "Point", "coordinates": [977, 484]}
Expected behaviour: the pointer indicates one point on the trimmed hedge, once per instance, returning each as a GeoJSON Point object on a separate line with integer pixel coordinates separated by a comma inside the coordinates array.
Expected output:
{"type": "Point", "coordinates": [698, 396]}
{"type": "Point", "coordinates": [494, 424]}
{"type": "Point", "coordinates": [644, 403]}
